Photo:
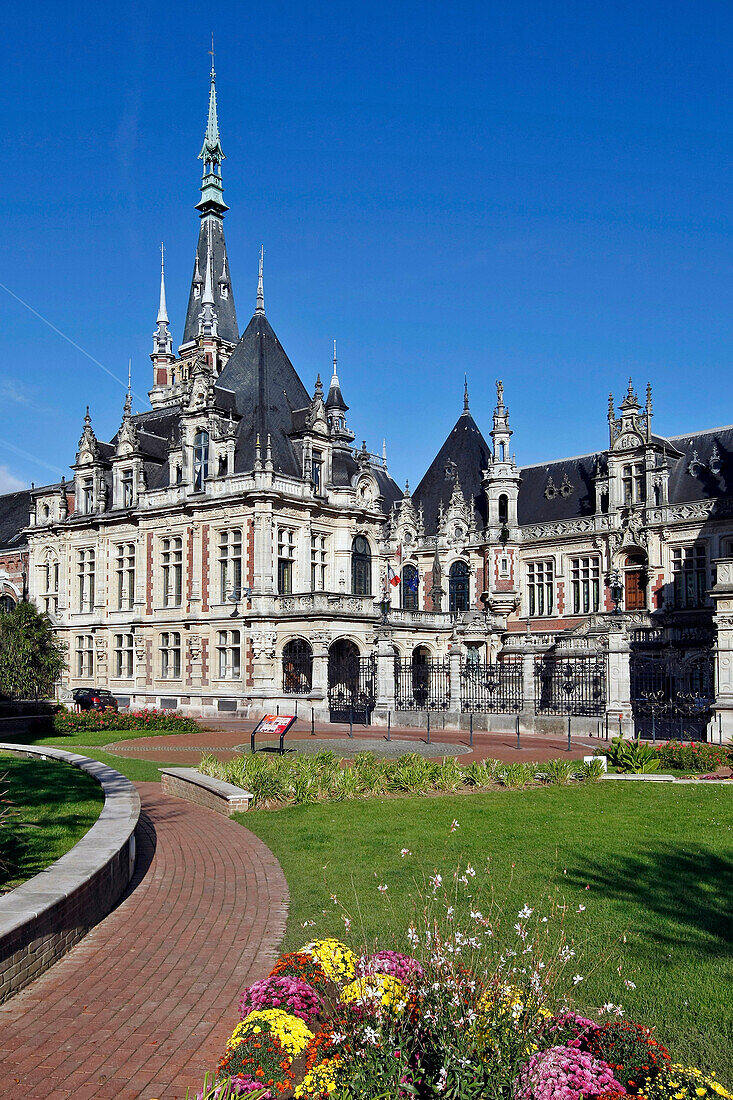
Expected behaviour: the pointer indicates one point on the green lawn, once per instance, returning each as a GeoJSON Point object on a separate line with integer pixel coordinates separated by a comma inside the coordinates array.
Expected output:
{"type": "Point", "coordinates": [91, 737]}
{"type": "Point", "coordinates": [53, 805]}
{"type": "Point", "coordinates": [651, 863]}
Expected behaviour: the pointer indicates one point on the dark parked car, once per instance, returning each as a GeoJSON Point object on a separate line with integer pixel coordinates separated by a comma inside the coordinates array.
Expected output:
{"type": "Point", "coordinates": [94, 699]}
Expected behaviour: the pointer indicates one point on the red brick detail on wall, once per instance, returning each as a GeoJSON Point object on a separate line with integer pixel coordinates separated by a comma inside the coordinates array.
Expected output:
{"type": "Point", "coordinates": [428, 584]}
{"type": "Point", "coordinates": [561, 597]}
{"type": "Point", "coordinates": [607, 601]}
{"type": "Point", "coordinates": [541, 625]}
{"type": "Point", "coordinates": [205, 567]}
{"type": "Point", "coordinates": [658, 591]}
{"type": "Point", "coordinates": [249, 664]}
{"type": "Point", "coordinates": [149, 576]}
{"type": "Point", "coordinates": [14, 565]}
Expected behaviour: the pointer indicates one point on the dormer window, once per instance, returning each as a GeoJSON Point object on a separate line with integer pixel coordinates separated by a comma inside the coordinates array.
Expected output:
{"type": "Point", "coordinates": [317, 471]}
{"type": "Point", "coordinates": [200, 459]}
{"type": "Point", "coordinates": [223, 291]}
{"type": "Point", "coordinates": [126, 485]}
{"type": "Point", "coordinates": [87, 495]}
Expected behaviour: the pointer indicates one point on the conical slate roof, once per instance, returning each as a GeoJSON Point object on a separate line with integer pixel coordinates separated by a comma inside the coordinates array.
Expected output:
{"type": "Point", "coordinates": [464, 455]}
{"type": "Point", "coordinates": [266, 390]}
{"type": "Point", "coordinates": [211, 234]}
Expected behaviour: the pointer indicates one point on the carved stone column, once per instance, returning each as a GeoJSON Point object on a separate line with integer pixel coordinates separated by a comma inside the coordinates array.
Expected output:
{"type": "Point", "coordinates": [722, 594]}
{"type": "Point", "coordinates": [618, 683]}
{"type": "Point", "coordinates": [319, 684]}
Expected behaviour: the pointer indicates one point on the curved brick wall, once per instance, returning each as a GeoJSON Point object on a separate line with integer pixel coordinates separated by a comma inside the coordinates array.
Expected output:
{"type": "Point", "coordinates": [41, 919]}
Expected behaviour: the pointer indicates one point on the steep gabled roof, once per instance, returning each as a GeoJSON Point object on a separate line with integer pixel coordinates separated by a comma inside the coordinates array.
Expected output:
{"type": "Point", "coordinates": [267, 389]}
{"type": "Point", "coordinates": [469, 451]}
{"type": "Point", "coordinates": [14, 512]}
{"type": "Point", "coordinates": [212, 232]}
{"type": "Point", "coordinates": [572, 496]}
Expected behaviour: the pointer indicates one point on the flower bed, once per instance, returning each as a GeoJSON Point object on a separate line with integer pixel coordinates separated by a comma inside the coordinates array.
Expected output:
{"type": "Point", "coordinates": [458, 1019]}
{"type": "Point", "coordinates": [67, 721]}
{"type": "Point", "coordinates": [694, 756]}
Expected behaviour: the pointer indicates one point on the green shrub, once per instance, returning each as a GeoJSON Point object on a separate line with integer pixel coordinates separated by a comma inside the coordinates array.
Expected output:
{"type": "Point", "coordinates": [516, 775]}
{"type": "Point", "coordinates": [695, 756]}
{"type": "Point", "coordinates": [558, 771]}
{"type": "Point", "coordinates": [633, 756]}
{"type": "Point", "coordinates": [66, 721]}
{"type": "Point", "coordinates": [592, 769]}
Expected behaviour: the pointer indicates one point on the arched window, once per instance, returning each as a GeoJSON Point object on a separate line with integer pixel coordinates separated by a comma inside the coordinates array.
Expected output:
{"type": "Point", "coordinates": [361, 567]}
{"type": "Point", "coordinates": [297, 667]}
{"type": "Point", "coordinates": [200, 459]}
{"type": "Point", "coordinates": [458, 587]}
{"type": "Point", "coordinates": [410, 581]}
{"type": "Point", "coordinates": [503, 508]}
{"type": "Point", "coordinates": [7, 604]}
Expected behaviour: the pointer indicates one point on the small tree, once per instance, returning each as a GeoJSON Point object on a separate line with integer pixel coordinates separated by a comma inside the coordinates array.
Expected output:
{"type": "Point", "coordinates": [31, 660]}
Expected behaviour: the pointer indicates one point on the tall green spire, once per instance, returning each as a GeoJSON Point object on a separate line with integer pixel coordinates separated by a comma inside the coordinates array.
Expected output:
{"type": "Point", "coordinates": [212, 155]}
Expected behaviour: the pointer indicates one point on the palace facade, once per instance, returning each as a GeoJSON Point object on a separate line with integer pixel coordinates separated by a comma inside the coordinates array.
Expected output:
{"type": "Point", "coordinates": [233, 550]}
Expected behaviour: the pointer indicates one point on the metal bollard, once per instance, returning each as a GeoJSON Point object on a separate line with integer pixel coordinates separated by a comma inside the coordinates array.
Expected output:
{"type": "Point", "coordinates": [389, 725]}
{"type": "Point", "coordinates": [518, 744]}
{"type": "Point", "coordinates": [470, 730]}
{"type": "Point", "coordinates": [568, 733]}
{"type": "Point", "coordinates": [428, 714]}
{"type": "Point", "coordinates": [313, 723]}
{"type": "Point", "coordinates": [351, 721]}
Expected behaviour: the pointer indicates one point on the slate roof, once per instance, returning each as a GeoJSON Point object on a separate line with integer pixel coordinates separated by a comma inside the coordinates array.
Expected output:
{"type": "Point", "coordinates": [344, 467]}
{"type": "Point", "coordinates": [14, 512]}
{"type": "Point", "coordinates": [534, 507]}
{"type": "Point", "coordinates": [467, 448]}
{"type": "Point", "coordinates": [267, 389]}
{"type": "Point", "coordinates": [212, 228]}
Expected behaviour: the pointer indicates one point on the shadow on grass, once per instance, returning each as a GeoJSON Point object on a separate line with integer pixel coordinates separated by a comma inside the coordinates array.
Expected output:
{"type": "Point", "coordinates": [692, 889]}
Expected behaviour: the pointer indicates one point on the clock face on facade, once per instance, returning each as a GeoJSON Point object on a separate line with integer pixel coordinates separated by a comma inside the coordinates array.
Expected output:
{"type": "Point", "coordinates": [628, 441]}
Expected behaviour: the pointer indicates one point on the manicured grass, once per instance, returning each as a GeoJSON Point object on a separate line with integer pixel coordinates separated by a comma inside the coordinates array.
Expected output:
{"type": "Point", "coordinates": [53, 805]}
{"type": "Point", "coordinates": [143, 771]}
{"type": "Point", "coordinates": [91, 737]}
{"type": "Point", "coordinates": [653, 864]}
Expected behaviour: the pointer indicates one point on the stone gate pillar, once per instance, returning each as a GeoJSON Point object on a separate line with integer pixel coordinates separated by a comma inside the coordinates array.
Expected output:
{"type": "Point", "coordinates": [618, 683]}
{"type": "Point", "coordinates": [722, 594]}
{"type": "Point", "coordinates": [319, 683]}
{"type": "Point", "coordinates": [385, 669]}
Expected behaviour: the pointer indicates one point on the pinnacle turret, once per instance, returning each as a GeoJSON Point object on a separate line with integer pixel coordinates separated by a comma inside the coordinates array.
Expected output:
{"type": "Point", "coordinates": [212, 154]}
{"type": "Point", "coordinates": [207, 316]}
{"type": "Point", "coordinates": [260, 284]}
{"type": "Point", "coordinates": [162, 342]}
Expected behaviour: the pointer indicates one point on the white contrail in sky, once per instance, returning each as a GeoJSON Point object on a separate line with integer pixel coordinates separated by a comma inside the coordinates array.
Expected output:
{"type": "Point", "coordinates": [31, 458]}
{"type": "Point", "coordinates": [67, 338]}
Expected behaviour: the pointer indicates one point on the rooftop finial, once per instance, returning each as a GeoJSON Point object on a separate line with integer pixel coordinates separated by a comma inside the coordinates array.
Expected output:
{"type": "Point", "coordinates": [611, 408]}
{"type": "Point", "coordinates": [334, 359]}
{"type": "Point", "coordinates": [499, 392]}
{"type": "Point", "coordinates": [128, 395]}
{"type": "Point", "coordinates": [211, 151]}
{"type": "Point", "coordinates": [260, 284]}
{"type": "Point", "coordinates": [649, 396]}
{"type": "Point", "coordinates": [162, 308]}
{"type": "Point", "coordinates": [465, 394]}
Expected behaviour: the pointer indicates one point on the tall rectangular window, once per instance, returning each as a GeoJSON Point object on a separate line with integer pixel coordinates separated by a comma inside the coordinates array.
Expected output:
{"type": "Point", "coordinates": [634, 485]}
{"type": "Point", "coordinates": [689, 576]}
{"type": "Point", "coordinates": [586, 585]}
{"type": "Point", "coordinates": [123, 651]}
{"type": "Point", "coordinates": [87, 495]}
{"type": "Point", "coordinates": [319, 562]}
{"type": "Point", "coordinates": [285, 560]}
{"type": "Point", "coordinates": [230, 564]}
{"type": "Point", "coordinates": [85, 577]}
{"type": "Point", "coordinates": [170, 655]}
{"type": "Point", "coordinates": [49, 587]}
{"type": "Point", "coordinates": [540, 587]}
{"type": "Point", "coordinates": [84, 656]}
{"type": "Point", "coordinates": [229, 650]}
{"type": "Point", "coordinates": [126, 484]}
{"type": "Point", "coordinates": [171, 556]}
{"type": "Point", "coordinates": [317, 471]}
{"type": "Point", "coordinates": [125, 571]}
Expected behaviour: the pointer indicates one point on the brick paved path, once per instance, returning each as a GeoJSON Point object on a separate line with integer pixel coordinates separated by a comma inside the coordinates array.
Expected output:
{"type": "Point", "coordinates": [143, 1006]}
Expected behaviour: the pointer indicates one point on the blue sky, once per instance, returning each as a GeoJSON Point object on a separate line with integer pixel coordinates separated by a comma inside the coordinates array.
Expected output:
{"type": "Point", "coordinates": [532, 191]}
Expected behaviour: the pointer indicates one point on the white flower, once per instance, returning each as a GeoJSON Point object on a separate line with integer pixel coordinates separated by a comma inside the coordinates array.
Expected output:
{"type": "Point", "coordinates": [413, 936]}
{"type": "Point", "coordinates": [405, 852]}
{"type": "Point", "coordinates": [577, 978]}
{"type": "Point", "coordinates": [382, 888]}
{"type": "Point", "coordinates": [470, 871]}
{"type": "Point", "coordinates": [629, 984]}
{"type": "Point", "coordinates": [370, 1035]}
{"type": "Point", "coordinates": [442, 1080]}
{"type": "Point", "coordinates": [347, 923]}
{"type": "Point", "coordinates": [581, 909]}
{"type": "Point", "coordinates": [435, 881]}
{"type": "Point", "coordinates": [454, 825]}
{"type": "Point", "coordinates": [544, 920]}
{"type": "Point", "coordinates": [308, 924]}
{"type": "Point", "coordinates": [525, 913]}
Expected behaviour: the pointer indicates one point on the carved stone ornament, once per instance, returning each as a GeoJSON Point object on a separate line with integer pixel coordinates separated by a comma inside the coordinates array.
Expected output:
{"type": "Point", "coordinates": [88, 447]}
{"type": "Point", "coordinates": [264, 644]}
{"type": "Point", "coordinates": [194, 647]}
{"type": "Point", "coordinates": [140, 648]}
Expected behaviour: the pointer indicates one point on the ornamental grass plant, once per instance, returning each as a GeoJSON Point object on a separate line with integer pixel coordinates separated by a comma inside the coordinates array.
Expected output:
{"type": "Point", "coordinates": [276, 781]}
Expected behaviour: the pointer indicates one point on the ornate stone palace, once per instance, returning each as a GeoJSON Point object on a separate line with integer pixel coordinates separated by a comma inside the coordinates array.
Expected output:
{"type": "Point", "coordinates": [232, 550]}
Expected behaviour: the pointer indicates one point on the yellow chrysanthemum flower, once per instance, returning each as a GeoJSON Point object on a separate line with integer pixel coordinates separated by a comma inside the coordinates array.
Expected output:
{"type": "Point", "coordinates": [379, 989]}
{"type": "Point", "coordinates": [338, 961]}
{"type": "Point", "coordinates": [291, 1031]}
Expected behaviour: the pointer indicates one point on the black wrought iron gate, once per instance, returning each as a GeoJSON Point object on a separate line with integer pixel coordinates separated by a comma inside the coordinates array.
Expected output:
{"type": "Point", "coordinates": [351, 687]}
{"type": "Point", "coordinates": [672, 692]}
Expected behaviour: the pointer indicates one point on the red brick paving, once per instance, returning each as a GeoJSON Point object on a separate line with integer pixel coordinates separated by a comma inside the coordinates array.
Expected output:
{"type": "Point", "coordinates": [143, 1006]}
{"type": "Point", "coordinates": [221, 735]}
